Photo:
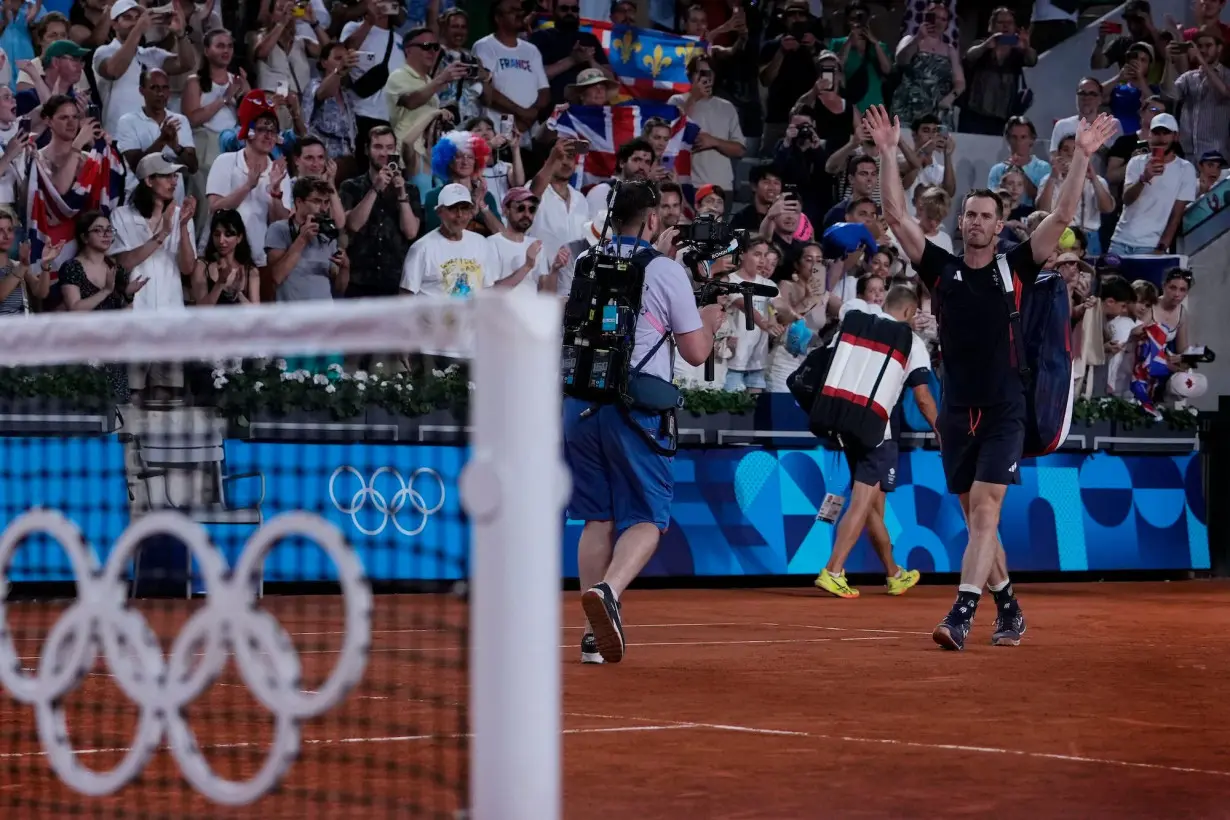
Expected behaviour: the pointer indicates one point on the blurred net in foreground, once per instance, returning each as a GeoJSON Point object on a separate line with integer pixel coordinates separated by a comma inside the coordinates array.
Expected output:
{"type": "Point", "coordinates": [236, 588]}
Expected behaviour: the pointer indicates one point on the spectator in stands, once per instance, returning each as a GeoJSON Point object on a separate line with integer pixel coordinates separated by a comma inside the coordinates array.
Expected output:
{"type": "Point", "coordinates": [152, 129]}
{"type": "Point", "coordinates": [311, 160]}
{"type": "Point", "coordinates": [838, 163]}
{"type": "Point", "coordinates": [118, 64]}
{"type": "Point", "coordinates": [721, 138]}
{"type": "Point", "coordinates": [519, 86]}
{"type": "Point", "coordinates": [994, 70]}
{"type": "Point", "coordinates": [1212, 170]}
{"type": "Point", "coordinates": [1123, 148]}
{"type": "Point", "coordinates": [282, 58]}
{"type": "Point", "coordinates": [633, 160]}
{"type": "Point", "coordinates": [566, 50]}
{"type": "Point", "coordinates": [711, 199]}
{"type": "Point", "coordinates": [1138, 17]}
{"type": "Point", "coordinates": [623, 13]}
{"type": "Point", "coordinates": [374, 40]}
{"type": "Point", "coordinates": [1011, 192]}
{"type": "Point", "coordinates": [412, 93]}
{"type": "Point", "coordinates": [210, 102]}
{"type": "Point", "coordinates": [250, 180]}
{"type": "Point", "coordinates": [801, 159]}
{"type": "Point", "coordinates": [802, 297]}
{"type": "Point", "coordinates": [451, 261]}
{"type": "Point", "coordinates": [1204, 96]}
{"type": "Point", "coordinates": [696, 24]}
{"type": "Point", "coordinates": [929, 160]}
{"type": "Point", "coordinates": [835, 118]}
{"type": "Point", "coordinates": [305, 263]}
{"type": "Point", "coordinates": [521, 263]}
{"type": "Point", "coordinates": [787, 68]}
{"type": "Point", "coordinates": [863, 178]}
{"type": "Point", "coordinates": [1208, 15]}
{"type": "Point", "coordinates": [1088, 103]}
{"type": "Point", "coordinates": [563, 211]}
{"type": "Point", "coordinates": [465, 94]}
{"type": "Point", "coordinates": [931, 207]}
{"type": "Point", "coordinates": [931, 73]}
{"type": "Point", "coordinates": [502, 175]}
{"type": "Point", "coordinates": [225, 273]}
{"type": "Point", "coordinates": [1021, 136]}
{"type": "Point", "coordinates": [866, 61]}
{"type": "Point", "coordinates": [1124, 92]}
{"type": "Point", "coordinates": [20, 283]}
{"type": "Point", "coordinates": [670, 204]}
{"type": "Point", "coordinates": [383, 215]}
{"type": "Point", "coordinates": [50, 29]}
{"type": "Point", "coordinates": [787, 229]}
{"type": "Point", "coordinates": [328, 105]}
{"type": "Point", "coordinates": [766, 184]}
{"type": "Point", "coordinates": [1171, 312]}
{"type": "Point", "coordinates": [657, 132]}
{"type": "Point", "coordinates": [745, 370]}
{"type": "Point", "coordinates": [1158, 185]}
{"type": "Point", "coordinates": [1119, 309]}
{"type": "Point", "coordinates": [1095, 200]}
{"type": "Point", "coordinates": [89, 23]}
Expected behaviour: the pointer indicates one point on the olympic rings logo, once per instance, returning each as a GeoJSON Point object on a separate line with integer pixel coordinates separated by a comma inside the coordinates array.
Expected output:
{"type": "Point", "coordinates": [99, 621]}
{"type": "Point", "coordinates": [388, 507]}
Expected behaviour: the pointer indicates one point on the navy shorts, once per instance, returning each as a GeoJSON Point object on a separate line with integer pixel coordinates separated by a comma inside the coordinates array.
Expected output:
{"type": "Point", "coordinates": [616, 476]}
{"type": "Point", "coordinates": [875, 466]}
{"type": "Point", "coordinates": [981, 444]}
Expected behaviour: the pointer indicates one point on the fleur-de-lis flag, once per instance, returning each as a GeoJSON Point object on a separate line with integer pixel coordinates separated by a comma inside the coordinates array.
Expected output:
{"type": "Point", "coordinates": [650, 65]}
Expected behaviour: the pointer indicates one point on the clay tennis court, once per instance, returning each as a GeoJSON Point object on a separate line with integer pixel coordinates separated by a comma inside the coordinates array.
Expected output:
{"type": "Point", "coordinates": [734, 704]}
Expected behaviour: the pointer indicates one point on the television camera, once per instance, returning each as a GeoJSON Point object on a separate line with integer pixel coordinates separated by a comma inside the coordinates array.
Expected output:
{"type": "Point", "coordinates": [704, 242]}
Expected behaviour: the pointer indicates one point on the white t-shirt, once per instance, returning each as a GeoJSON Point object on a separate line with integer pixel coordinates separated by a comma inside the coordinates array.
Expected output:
{"type": "Point", "coordinates": [517, 73]}
{"type": "Point", "coordinates": [438, 266]}
{"type": "Point", "coordinates": [718, 118]}
{"type": "Point", "coordinates": [927, 176]}
{"type": "Point", "coordinates": [1144, 220]}
{"type": "Point", "coordinates": [752, 347]}
{"type": "Point", "coordinates": [597, 196]}
{"type": "Point", "coordinates": [124, 95]}
{"type": "Point", "coordinates": [230, 171]}
{"type": "Point", "coordinates": [165, 289]}
{"type": "Point", "coordinates": [1088, 216]}
{"type": "Point", "coordinates": [374, 44]}
{"type": "Point", "coordinates": [1119, 366]}
{"type": "Point", "coordinates": [511, 255]}
{"type": "Point", "coordinates": [137, 132]}
{"type": "Point", "coordinates": [557, 222]}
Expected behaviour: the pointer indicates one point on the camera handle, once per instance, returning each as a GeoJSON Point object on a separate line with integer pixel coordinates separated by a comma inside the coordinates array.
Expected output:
{"type": "Point", "coordinates": [709, 294]}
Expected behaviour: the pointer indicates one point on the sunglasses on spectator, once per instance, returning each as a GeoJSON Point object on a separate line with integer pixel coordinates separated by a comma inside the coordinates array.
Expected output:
{"type": "Point", "coordinates": [527, 208]}
{"type": "Point", "coordinates": [426, 46]}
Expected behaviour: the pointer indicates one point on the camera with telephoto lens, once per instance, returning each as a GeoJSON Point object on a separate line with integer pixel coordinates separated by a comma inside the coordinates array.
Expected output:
{"type": "Point", "coordinates": [706, 231]}
{"type": "Point", "coordinates": [327, 229]}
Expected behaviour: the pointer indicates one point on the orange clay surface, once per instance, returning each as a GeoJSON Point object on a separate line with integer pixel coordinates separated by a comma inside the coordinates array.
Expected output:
{"type": "Point", "coordinates": [733, 704]}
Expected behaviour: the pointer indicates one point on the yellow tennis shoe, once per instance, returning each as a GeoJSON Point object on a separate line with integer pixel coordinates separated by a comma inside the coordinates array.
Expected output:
{"type": "Point", "coordinates": [898, 584]}
{"type": "Point", "coordinates": [835, 584]}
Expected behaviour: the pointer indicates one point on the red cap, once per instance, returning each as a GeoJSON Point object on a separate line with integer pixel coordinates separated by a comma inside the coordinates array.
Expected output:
{"type": "Point", "coordinates": [254, 104]}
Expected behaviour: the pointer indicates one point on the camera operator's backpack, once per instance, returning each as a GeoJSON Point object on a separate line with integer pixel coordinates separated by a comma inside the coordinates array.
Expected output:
{"type": "Point", "coordinates": [600, 325]}
{"type": "Point", "coordinates": [1041, 337]}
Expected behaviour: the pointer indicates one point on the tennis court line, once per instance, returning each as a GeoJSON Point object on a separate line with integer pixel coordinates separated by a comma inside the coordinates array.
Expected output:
{"type": "Point", "coordinates": [910, 744]}
{"type": "Point", "coordinates": [330, 741]}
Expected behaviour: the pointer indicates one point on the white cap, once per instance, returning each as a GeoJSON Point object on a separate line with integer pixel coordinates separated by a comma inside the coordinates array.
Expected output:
{"type": "Point", "coordinates": [122, 6]}
{"type": "Point", "coordinates": [1166, 121]}
{"type": "Point", "coordinates": [151, 164]}
{"type": "Point", "coordinates": [453, 194]}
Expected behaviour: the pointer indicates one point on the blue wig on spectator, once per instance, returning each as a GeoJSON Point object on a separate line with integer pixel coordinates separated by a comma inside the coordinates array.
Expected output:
{"type": "Point", "coordinates": [454, 143]}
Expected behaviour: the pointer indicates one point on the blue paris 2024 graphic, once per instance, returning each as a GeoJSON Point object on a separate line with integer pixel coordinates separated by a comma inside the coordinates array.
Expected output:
{"type": "Point", "coordinates": [743, 511]}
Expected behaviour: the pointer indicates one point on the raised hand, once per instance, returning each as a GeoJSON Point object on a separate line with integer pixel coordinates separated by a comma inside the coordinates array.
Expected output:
{"type": "Point", "coordinates": [531, 253]}
{"type": "Point", "coordinates": [562, 258]}
{"type": "Point", "coordinates": [134, 287]}
{"type": "Point", "coordinates": [51, 252]}
{"type": "Point", "coordinates": [884, 131]}
{"type": "Point", "coordinates": [187, 211]}
{"type": "Point", "coordinates": [1092, 136]}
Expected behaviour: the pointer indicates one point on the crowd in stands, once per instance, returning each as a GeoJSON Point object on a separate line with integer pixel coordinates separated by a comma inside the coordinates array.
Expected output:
{"type": "Point", "coordinates": [179, 156]}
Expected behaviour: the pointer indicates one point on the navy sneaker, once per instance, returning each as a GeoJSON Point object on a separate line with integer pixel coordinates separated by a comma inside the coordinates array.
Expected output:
{"type": "Point", "coordinates": [952, 631]}
{"type": "Point", "coordinates": [602, 610]}
{"type": "Point", "coordinates": [589, 649]}
{"type": "Point", "coordinates": [1009, 624]}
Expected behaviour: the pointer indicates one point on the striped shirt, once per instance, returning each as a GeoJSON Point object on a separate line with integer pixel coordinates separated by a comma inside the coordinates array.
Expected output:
{"type": "Point", "coordinates": [15, 303]}
{"type": "Point", "coordinates": [1203, 121]}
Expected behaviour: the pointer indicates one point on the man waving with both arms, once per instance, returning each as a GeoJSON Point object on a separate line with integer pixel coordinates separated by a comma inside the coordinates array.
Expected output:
{"type": "Point", "coordinates": [982, 414]}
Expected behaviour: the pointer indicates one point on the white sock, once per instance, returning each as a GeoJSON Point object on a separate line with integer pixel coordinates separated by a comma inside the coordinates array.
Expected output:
{"type": "Point", "coordinates": [999, 587]}
{"type": "Point", "coordinates": [970, 588]}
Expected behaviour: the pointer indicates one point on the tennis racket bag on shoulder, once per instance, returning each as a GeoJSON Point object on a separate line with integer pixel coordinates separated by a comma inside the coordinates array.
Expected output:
{"type": "Point", "coordinates": [1041, 332]}
{"type": "Point", "coordinates": [856, 381]}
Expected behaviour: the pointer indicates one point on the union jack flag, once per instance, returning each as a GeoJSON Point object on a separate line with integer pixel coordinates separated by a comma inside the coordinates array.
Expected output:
{"type": "Point", "coordinates": [650, 65]}
{"type": "Point", "coordinates": [609, 126]}
{"type": "Point", "coordinates": [1151, 367]}
{"type": "Point", "coordinates": [49, 215]}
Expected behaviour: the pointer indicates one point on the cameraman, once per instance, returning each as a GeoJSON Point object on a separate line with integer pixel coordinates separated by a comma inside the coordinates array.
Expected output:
{"type": "Point", "coordinates": [621, 487]}
{"type": "Point", "coordinates": [801, 157]}
{"type": "Point", "coordinates": [304, 260]}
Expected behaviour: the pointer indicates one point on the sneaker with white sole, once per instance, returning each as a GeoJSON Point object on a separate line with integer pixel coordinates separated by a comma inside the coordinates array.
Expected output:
{"type": "Point", "coordinates": [589, 649]}
{"type": "Point", "coordinates": [602, 610]}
